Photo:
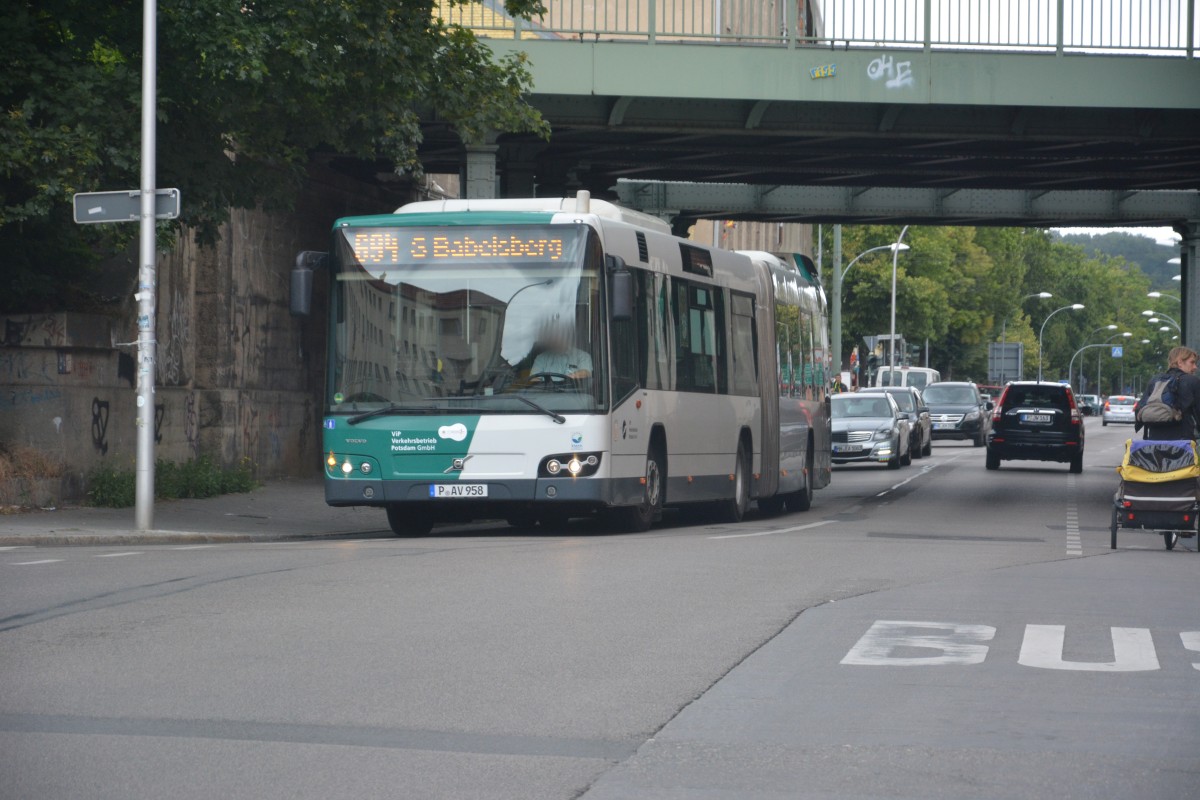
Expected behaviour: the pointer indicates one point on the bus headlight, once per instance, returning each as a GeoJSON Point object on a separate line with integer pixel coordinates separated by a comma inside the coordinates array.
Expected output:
{"type": "Point", "coordinates": [574, 465]}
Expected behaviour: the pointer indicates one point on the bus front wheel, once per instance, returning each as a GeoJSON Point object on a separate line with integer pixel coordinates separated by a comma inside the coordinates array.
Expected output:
{"type": "Point", "coordinates": [635, 519]}
{"type": "Point", "coordinates": [408, 521]}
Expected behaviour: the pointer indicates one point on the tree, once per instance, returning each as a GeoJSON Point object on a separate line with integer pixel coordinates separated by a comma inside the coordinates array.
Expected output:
{"type": "Point", "coordinates": [248, 91]}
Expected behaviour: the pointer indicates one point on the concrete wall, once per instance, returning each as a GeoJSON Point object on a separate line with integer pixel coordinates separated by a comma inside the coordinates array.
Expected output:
{"type": "Point", "coordinates": [237, 376]}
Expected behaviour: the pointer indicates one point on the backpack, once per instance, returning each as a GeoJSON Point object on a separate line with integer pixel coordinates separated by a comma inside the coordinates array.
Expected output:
{"type": "Point", "coordinates": [1162, 402]}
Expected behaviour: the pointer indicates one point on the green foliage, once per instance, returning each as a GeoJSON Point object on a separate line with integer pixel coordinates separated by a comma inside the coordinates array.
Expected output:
{"type": "Point", "coordinates": [247, 93]}
{"type": "Point", "coordinates": [964, 287]}
{"type": "Point", "coordinates": [115, 488]}
{"type": "Point", "coordinates": [1137, 250]}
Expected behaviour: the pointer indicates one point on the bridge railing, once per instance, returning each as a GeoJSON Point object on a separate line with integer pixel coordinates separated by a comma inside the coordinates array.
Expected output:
{"type": "Point", "coordinates": [1134, 27]}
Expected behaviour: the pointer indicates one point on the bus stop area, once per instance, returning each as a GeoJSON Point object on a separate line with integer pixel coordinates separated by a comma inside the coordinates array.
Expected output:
{"type": "Point", "coordinates": [279, 510]}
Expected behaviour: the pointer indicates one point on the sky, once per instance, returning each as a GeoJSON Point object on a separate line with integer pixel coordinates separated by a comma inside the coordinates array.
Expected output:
{"type": "Point", "coordinates": [1160, 235]}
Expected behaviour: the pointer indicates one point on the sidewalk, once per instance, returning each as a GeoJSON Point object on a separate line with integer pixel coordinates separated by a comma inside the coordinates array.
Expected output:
{"type": "Point", "coordinates": [279, 510]}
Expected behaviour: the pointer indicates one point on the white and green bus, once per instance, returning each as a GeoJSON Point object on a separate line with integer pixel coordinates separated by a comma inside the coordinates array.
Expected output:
{"type": "Point", "coordinates": [541, 359]}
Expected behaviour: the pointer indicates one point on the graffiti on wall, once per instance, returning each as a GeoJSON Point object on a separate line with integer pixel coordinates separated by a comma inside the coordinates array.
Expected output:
{"type": "Point", "coordinates": [100, 425]}
{"type": "Point", "coordinates": [172, 341]}
{"type": "Point", "coordinates": [21, 366]}
{"type": "Point", "coordinates": [191, 430]}
{"type": "Point", "coordinates": [15, 399]}
{"type": "Point", "coordinates": [898, 73]}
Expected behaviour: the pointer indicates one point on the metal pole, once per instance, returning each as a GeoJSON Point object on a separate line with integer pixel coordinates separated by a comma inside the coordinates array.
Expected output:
{"type": "Point", "coordinates": [147, 281]}
{"type": "Point", "coordinates": [1003, 349]}
{"type": "Point", "coordinates": [895, 256]}
{"type": "Point", "coordinates": [836, 321]}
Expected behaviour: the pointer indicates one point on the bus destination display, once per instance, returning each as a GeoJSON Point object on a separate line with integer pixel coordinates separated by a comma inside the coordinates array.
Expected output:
{"type": "Point", "coordinates": [391, 246]}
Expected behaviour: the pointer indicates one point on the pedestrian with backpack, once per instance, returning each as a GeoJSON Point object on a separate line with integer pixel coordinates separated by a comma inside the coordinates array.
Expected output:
{"type": "Point", "coordinates": [1170, 408]}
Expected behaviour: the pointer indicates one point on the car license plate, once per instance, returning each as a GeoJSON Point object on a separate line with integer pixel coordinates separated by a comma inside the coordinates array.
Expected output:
{"type": "Point", "coordinates": [942, 426]}
{"type": "Point", "coordinates": [847, 448]}
{"type": "Point", "coordinates": [445, 491]}
{"type": "Point", "coordinates": [1037, 419]}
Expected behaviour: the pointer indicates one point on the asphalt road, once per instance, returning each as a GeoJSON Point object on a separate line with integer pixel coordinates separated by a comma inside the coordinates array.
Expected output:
{"type": "Point", "coordinates": [938, 631]}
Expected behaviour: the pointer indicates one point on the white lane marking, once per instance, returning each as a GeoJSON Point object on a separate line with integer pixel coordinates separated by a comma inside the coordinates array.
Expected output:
{"type": "Point", "coordinates": [118, 555]}
{"type": "Point", "coordinates": [193, 547]}
{"type": "Point", "coordinates": [1191, 641]}
{"type": "Point", "coordinates": [28, 563]}
{"type": "Point", "coordinates": [925, 470]}
{"type": "Point", "coordinates": [954, 643]}
{"type": "Point", "coordinates": [16, 547]}
{"type": "Point", "coordinates": [777, 530]}
{"type": "Point", "coordinates": [1133, 650]}
{"type": "Point", "coordinates": [1074, 545]}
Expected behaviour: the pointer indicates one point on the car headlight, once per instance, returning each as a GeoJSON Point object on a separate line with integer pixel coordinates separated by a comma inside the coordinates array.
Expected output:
{"type": "Point", "coordinates": [971, 416]}
{"type": "Point", "coordinates": [883, 433]}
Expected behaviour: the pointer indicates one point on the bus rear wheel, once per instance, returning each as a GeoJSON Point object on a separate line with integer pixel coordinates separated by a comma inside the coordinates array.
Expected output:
{"type": "Point", "coordinates": [635, 519]}
{"type": "Point", "coordinates": [734, 508]}
{"type": "Point", "coordinates": [802, 500]}
{"type": "Point", "coordinates": [408, 521]}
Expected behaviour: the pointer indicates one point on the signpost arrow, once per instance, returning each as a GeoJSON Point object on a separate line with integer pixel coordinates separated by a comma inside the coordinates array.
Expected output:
{"type": "Point", "coordinates": [124, 206]}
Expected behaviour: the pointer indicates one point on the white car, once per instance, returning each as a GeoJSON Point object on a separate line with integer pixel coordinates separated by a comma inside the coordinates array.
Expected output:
{"type": "Point", "coordinates": [1119, 408]}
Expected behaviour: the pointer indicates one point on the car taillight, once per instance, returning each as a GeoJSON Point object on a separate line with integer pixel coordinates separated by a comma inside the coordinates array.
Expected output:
{"type": "Point", "coordinates": [1106, 405]}
{"type": "Point", "coordinates": [998, 410]}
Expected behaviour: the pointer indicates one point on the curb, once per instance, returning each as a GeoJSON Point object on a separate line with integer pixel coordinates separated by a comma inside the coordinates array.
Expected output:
{"type": "Point", "coordinates": [173, 537]}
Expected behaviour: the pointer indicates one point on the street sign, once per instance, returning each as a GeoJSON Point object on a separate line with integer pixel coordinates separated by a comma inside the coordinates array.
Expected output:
{"type": "Point", "coordinates": [125, 206]}
{"type": "Point", "coordinates": [1118, 351]}
{"type": "Point", "coordinates": [1006, 362]}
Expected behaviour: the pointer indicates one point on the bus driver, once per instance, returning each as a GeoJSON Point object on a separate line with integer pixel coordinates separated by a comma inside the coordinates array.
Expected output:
{"type": "Point", "coordinates": [558, 356]}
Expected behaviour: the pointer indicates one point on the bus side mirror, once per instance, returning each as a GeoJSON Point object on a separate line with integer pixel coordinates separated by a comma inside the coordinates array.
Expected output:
{"type": "Point", "coordinates": [622, 289]}
{"type": "Point", "coordinates": [302, 281]}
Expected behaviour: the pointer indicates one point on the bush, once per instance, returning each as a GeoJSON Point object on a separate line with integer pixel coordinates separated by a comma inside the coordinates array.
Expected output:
{"type": "Point", "coordinates": [115, 488]}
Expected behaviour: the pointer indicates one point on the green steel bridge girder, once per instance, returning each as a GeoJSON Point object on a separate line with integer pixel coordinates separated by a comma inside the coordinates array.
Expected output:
{"type": "Point", "coordinates": [910, 205]}
{"type": "Point", "coordinates": [778, 74]}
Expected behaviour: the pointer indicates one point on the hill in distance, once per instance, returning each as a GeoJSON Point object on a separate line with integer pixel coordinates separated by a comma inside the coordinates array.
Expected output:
{"type": "Point", "coordinates": [1141, 251]}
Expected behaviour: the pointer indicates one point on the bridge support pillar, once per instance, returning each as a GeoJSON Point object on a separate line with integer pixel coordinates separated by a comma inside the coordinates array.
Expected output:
{"type": "Point", "coordinates": [480, 180]}
{"type": "Point", "coordinates": [1189, 270]}
{"type": "Point", "coordinates": [518, 170]}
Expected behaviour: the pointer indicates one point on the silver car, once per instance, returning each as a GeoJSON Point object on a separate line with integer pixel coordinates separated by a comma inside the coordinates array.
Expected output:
{"type": "Point", "coordinates": [1119, 408]}
{"type": "Point", "coordinates": [870, 428]}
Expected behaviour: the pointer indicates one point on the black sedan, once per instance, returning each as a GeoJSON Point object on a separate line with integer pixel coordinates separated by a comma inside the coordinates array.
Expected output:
{"type": "Point", "coordinates": [959, 412]}
{"type": "Point", "coordinates": [870, 428]}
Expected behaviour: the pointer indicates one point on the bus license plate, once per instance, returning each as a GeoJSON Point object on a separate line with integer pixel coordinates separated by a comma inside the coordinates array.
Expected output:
{"type": "Point", "coordinates": [441, 491]}
{"type": "Point", "coordinates": [1037, 419]}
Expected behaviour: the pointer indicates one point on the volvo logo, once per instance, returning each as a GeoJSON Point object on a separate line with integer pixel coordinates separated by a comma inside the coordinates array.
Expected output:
{"type": "Point", "coordinates": [456, 465]}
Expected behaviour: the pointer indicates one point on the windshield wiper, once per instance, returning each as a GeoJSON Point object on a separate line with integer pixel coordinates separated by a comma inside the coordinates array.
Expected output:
{"type": "Point", "coordinates": [390, 409]}
{"type": "Point", "coordinates": [559, 418]}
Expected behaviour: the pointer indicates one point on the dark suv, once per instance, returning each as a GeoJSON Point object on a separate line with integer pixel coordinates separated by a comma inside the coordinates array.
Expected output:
{"type": "Point", "coordinates": [1036, 422]}
{"type": "Point", "coordinates": [958, 411]}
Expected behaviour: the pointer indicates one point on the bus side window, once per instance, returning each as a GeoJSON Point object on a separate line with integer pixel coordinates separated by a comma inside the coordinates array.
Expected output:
{"type": "Point", "coordinates": [745, 345]}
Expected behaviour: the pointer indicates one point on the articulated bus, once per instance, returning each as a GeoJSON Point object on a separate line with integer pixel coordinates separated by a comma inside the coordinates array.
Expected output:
{"type": "Point", "coordinates": [542, 359]}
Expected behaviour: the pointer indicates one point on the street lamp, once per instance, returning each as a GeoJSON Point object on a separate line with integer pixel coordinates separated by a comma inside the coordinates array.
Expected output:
{"type": "Point", "coordinates": [1071, 365]}
{"type": "Point", "coordinates": [1041, 333]}
{"type": "Point", "coordinates": [1158, 316]}
{"type": "Point", "coordinates": [1004, 334]}
{"type": "Point", "coordinates": [895, 256]}
{"type": "Point", "coordinates": [836, 304]}
{"type": "Point", "coordinates": [1157, 295]}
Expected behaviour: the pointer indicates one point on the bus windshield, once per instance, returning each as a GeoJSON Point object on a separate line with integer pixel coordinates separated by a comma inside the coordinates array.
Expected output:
{"type": "Point", "coordinates": [474, 319]}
